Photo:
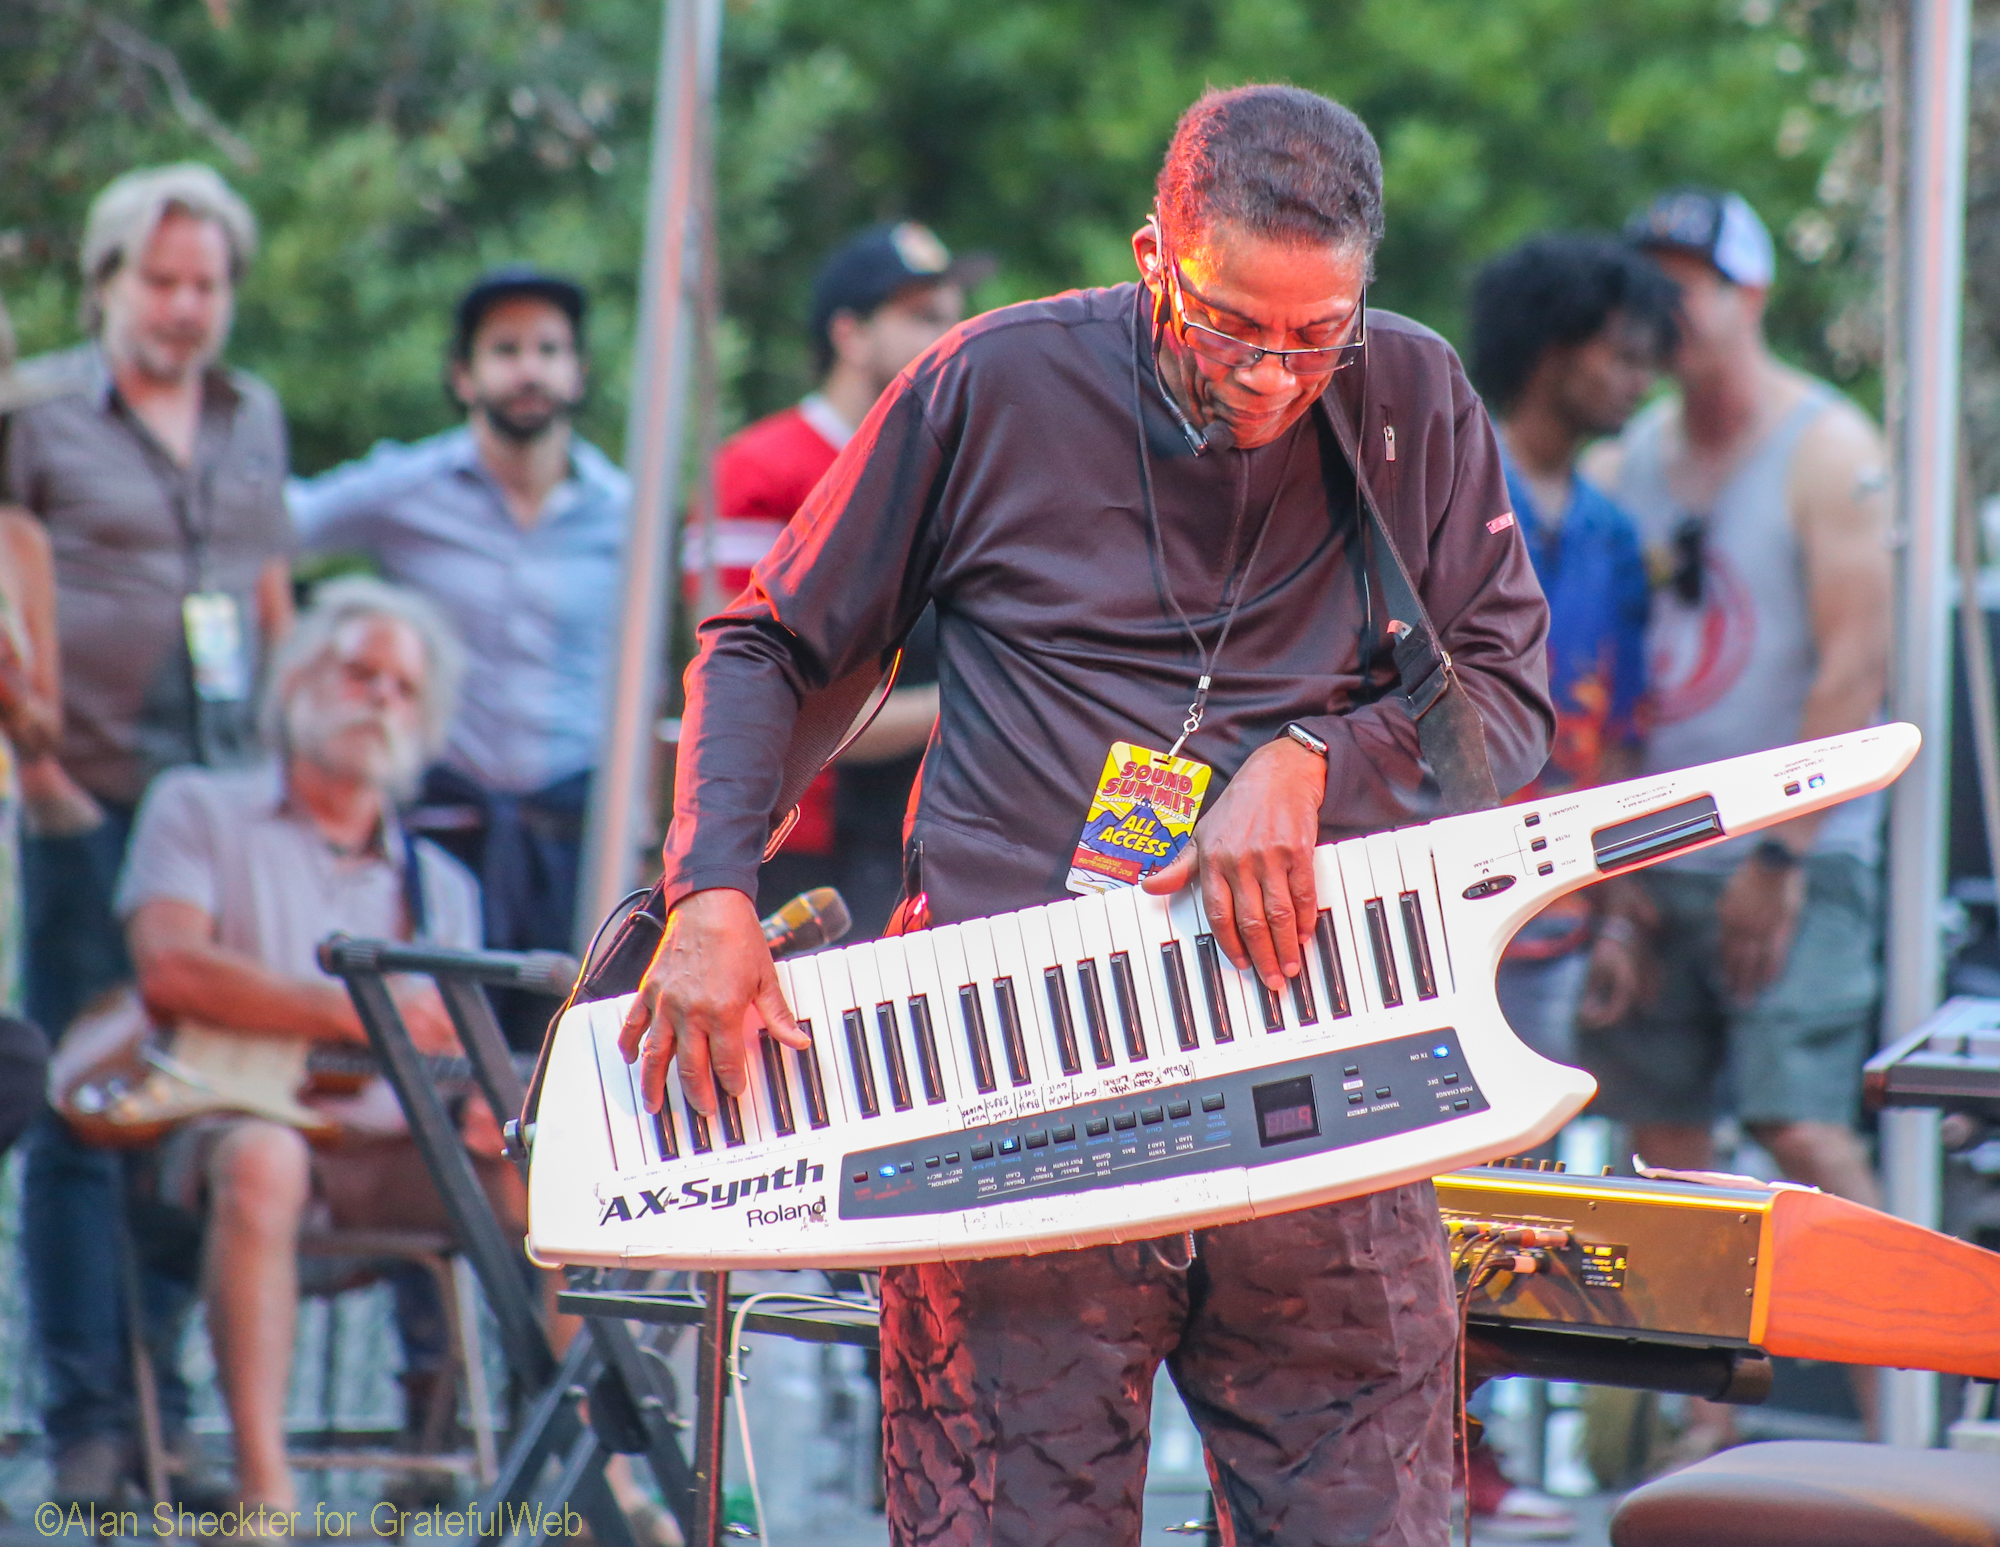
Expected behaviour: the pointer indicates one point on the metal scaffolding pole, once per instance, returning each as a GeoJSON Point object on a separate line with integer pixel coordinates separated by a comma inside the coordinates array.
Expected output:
{"type": "Point", "coordinates": [1929, 272]}
{"type": "Point", "coordinates": [690, 45]}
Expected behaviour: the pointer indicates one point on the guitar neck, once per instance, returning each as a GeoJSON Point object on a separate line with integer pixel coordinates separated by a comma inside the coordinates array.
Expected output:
{"type": "Point", "coordinates": [354, 1064]}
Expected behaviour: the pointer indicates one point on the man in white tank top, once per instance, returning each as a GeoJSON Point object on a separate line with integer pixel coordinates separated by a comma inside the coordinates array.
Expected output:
{"type": "Point", "coordinates": [1760, 497]}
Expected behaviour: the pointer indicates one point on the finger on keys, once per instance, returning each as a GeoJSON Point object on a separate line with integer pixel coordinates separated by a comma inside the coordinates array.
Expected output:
{"type": "Point", "coordinates": [1279, 913]}
{"type": "Point", "coordinates": [1176, 875]}
{"type": "Point", "coordinates": [777, 1015]}
{"type": "Point", "coordinates": [697, 1048]}
{"type": "Point", "coordinates": [729, 1056]}
{"type": "Point", "coordinates": [655, 1053]}
{"type": "Point", "coordinates": [1305, 900]}
{"type": "Point", "coordinates": [638, 1016]}
{"type": "Point", "coordinates": [1220, 906]}
{"type": "Point", "coordinates": [1246, 906]}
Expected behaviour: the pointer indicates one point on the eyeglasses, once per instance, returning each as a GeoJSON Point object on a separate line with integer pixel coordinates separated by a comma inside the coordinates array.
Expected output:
{"type": "Point", "coordinates": [1236, 354]}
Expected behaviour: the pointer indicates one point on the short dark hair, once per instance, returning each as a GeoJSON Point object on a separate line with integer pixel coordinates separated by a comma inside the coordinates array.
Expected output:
{"type": "Point", "coordinates": [1559, 289]}
{"type": "Point", "coordinates": [1280, 162]}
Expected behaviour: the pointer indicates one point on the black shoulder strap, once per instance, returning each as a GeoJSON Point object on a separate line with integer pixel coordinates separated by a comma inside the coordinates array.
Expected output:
{"type": "Point", "coordinates": [414, 912]}
{"type": "Point", "coordinates": [1450, 733]}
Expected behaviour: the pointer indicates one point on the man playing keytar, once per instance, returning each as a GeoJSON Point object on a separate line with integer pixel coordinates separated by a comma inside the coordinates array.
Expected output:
{"type": "Point", "coordinates": [1109, 496]}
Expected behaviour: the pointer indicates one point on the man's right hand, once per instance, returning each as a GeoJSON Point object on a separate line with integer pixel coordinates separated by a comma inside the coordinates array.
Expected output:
{"type": "Point", "coordinates": [710, 985]}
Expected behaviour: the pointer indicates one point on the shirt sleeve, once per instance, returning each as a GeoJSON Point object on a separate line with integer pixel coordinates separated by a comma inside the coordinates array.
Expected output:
{"type": "Point", "coordinates": [336, 511]}
{"type": "Point", "coordinates": [842, 586]}
{"type": "Point", "coordinates": [1474, 575]}
{"type": "Point", "coordinates": [172, 853]}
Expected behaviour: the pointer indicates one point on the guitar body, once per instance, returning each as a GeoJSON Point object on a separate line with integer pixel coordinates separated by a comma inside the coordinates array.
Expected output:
{"type": "Point", "coordinates": [120, 1081]}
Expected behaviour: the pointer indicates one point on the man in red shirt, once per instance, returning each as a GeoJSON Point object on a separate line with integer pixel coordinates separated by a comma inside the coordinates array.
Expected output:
{"type": "Point", "coordinates": [883, 298]}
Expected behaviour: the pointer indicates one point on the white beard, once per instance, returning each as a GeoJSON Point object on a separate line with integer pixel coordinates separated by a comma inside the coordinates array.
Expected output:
{"type": "Point", "coordinates": [392, 760]}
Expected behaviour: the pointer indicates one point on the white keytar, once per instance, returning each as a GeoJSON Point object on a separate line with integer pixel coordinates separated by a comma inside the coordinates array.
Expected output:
{"type": "Point", "coordinates": [1094, 1070]}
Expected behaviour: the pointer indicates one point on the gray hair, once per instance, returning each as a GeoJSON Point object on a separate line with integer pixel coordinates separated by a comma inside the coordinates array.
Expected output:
{"type": "Point", "coordinates": [125, 215]}
{"type": "Point", "coordinates": [338, 603]}
{"type": "Point", "coordinates": [1277, 161]}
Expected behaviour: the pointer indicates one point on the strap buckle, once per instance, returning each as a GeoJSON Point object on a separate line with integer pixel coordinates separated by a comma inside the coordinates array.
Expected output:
{"type": "Point", "coordinates": [1425, 696]}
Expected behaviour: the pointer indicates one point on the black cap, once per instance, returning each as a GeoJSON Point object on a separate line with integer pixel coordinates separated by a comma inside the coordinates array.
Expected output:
{"type": "Point", "coordinates": [504, 284]}
{"type": "Point", "coordinates": [1717, 226]}
{"type": "Point", "coordinates": [872, 265]}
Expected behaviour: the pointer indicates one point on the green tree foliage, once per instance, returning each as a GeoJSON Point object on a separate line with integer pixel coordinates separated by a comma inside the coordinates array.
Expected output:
{"type": "Point", "coordinates": [393, 148]}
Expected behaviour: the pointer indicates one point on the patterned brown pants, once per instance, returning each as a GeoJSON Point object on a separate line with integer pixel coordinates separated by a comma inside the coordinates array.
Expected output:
{"type": "Point", "coordinates": [1314, 1350]}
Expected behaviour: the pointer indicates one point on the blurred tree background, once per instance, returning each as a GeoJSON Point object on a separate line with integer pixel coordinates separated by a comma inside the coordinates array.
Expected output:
{"type": "Point", "coordinates": [393, 148]}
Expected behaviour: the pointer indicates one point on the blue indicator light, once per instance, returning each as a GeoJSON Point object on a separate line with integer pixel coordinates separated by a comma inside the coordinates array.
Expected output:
{"type": "Point", "coordinates": [1815, 781]}
{"type": "Point", "coordinates": [1442, 1050]}
{"type": "Point", "coordinates": [888, 1171]}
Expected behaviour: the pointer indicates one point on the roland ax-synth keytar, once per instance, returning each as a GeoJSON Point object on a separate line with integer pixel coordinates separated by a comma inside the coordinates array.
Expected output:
{"type": "Point", "coordinates": [1095, 1070]}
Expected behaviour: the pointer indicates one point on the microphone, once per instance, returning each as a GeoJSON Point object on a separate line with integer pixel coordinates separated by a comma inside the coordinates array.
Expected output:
{"type": "Point", "coordinates": [811, 919]}
{"type": "Point", "coordinates": [1218, 437]}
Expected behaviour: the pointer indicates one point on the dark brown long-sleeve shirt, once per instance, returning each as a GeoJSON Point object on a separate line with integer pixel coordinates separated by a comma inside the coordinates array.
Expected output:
{"type": "Point", "coordinates": [1000, 478]}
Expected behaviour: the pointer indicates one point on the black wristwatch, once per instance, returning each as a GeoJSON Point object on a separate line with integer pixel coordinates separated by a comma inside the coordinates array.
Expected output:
{"type": "Point", "coordinates": [1306, 739]}
{"type": "Point", "coordinates": [1774, 855]}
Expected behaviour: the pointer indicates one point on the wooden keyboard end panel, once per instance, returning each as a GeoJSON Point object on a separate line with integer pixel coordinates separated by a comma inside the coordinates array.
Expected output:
{"type": "Point", "coordinates": [1851, 1284]}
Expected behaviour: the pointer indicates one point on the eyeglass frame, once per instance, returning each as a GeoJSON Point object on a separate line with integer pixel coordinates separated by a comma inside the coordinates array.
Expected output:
{"type": "Point", "coordinates": [1347, 352]}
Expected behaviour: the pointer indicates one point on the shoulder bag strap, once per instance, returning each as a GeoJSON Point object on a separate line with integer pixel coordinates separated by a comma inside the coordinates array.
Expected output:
{"type": "Point", "coordinates": [1450, 732]}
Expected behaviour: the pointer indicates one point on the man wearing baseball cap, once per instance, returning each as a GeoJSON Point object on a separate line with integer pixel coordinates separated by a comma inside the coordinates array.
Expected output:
{"type": "Point", "coordinates": [885, 296]}
{"type": "Point", "coordinates": [513, 525]}
{"type": "Point", "coordinates": [1759, 495]}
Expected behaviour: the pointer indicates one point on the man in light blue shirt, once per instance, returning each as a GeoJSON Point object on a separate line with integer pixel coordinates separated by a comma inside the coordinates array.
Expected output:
{"type": "Point", "coordinates": [515, 526]}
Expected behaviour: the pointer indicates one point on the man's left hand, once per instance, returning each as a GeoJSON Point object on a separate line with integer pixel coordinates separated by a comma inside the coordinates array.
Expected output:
{"type": "Point", "coordinates": [1759, 914]}
{"type": "Point", "coordinates": [1254, 852]}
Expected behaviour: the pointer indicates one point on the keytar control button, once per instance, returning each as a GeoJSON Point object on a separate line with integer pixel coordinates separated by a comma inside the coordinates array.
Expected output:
{"type": "Point", "coordinates": [1178, 1109]}
{"type": "Point", "coordinates": [1212, 1102]}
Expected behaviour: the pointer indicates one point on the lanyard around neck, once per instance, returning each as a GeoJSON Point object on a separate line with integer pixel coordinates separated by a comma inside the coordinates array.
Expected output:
{"type": "Point", "coordinates": [1207, 656]}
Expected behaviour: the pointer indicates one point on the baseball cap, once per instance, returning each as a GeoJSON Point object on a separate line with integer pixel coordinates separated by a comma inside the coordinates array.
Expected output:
{"type": "Point", "coordinates": [872, 265]}
{"type": "Point", "coordinates": [1720, 227]}
{"type": "Point", "coordinates": [504, 284]}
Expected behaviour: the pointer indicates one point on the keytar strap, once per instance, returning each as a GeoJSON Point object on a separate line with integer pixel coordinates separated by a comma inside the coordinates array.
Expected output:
{"type": "Point", "coordinates": [1450, 733]}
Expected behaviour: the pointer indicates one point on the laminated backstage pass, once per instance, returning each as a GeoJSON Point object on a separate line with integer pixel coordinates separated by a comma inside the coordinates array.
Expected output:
{"type": "Point", "coordinates": [1142, 815]}
{"type": "Point", "coordinates": [215, 646]}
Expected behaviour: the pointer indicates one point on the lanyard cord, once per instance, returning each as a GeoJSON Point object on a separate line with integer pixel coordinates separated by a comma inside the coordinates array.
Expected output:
{"type": "Point", "coordinates": [1208, 657]}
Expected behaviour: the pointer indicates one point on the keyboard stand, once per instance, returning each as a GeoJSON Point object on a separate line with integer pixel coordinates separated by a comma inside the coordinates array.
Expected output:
{"type": "Point", "coordinates": [712, 1308]}
{"type": "Point", "coordinates": [604, 1362]}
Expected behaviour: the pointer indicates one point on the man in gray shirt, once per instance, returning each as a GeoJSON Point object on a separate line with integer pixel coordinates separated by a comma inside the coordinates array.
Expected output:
{"type": "Point", "coordinates": [515, 527]}
{"type": "Point", "coordinates": [160, 480]}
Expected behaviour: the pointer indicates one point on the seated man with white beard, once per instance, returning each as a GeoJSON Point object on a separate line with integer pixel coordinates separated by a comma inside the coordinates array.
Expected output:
{"type": "Point", "coordinates": [232, 880]}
